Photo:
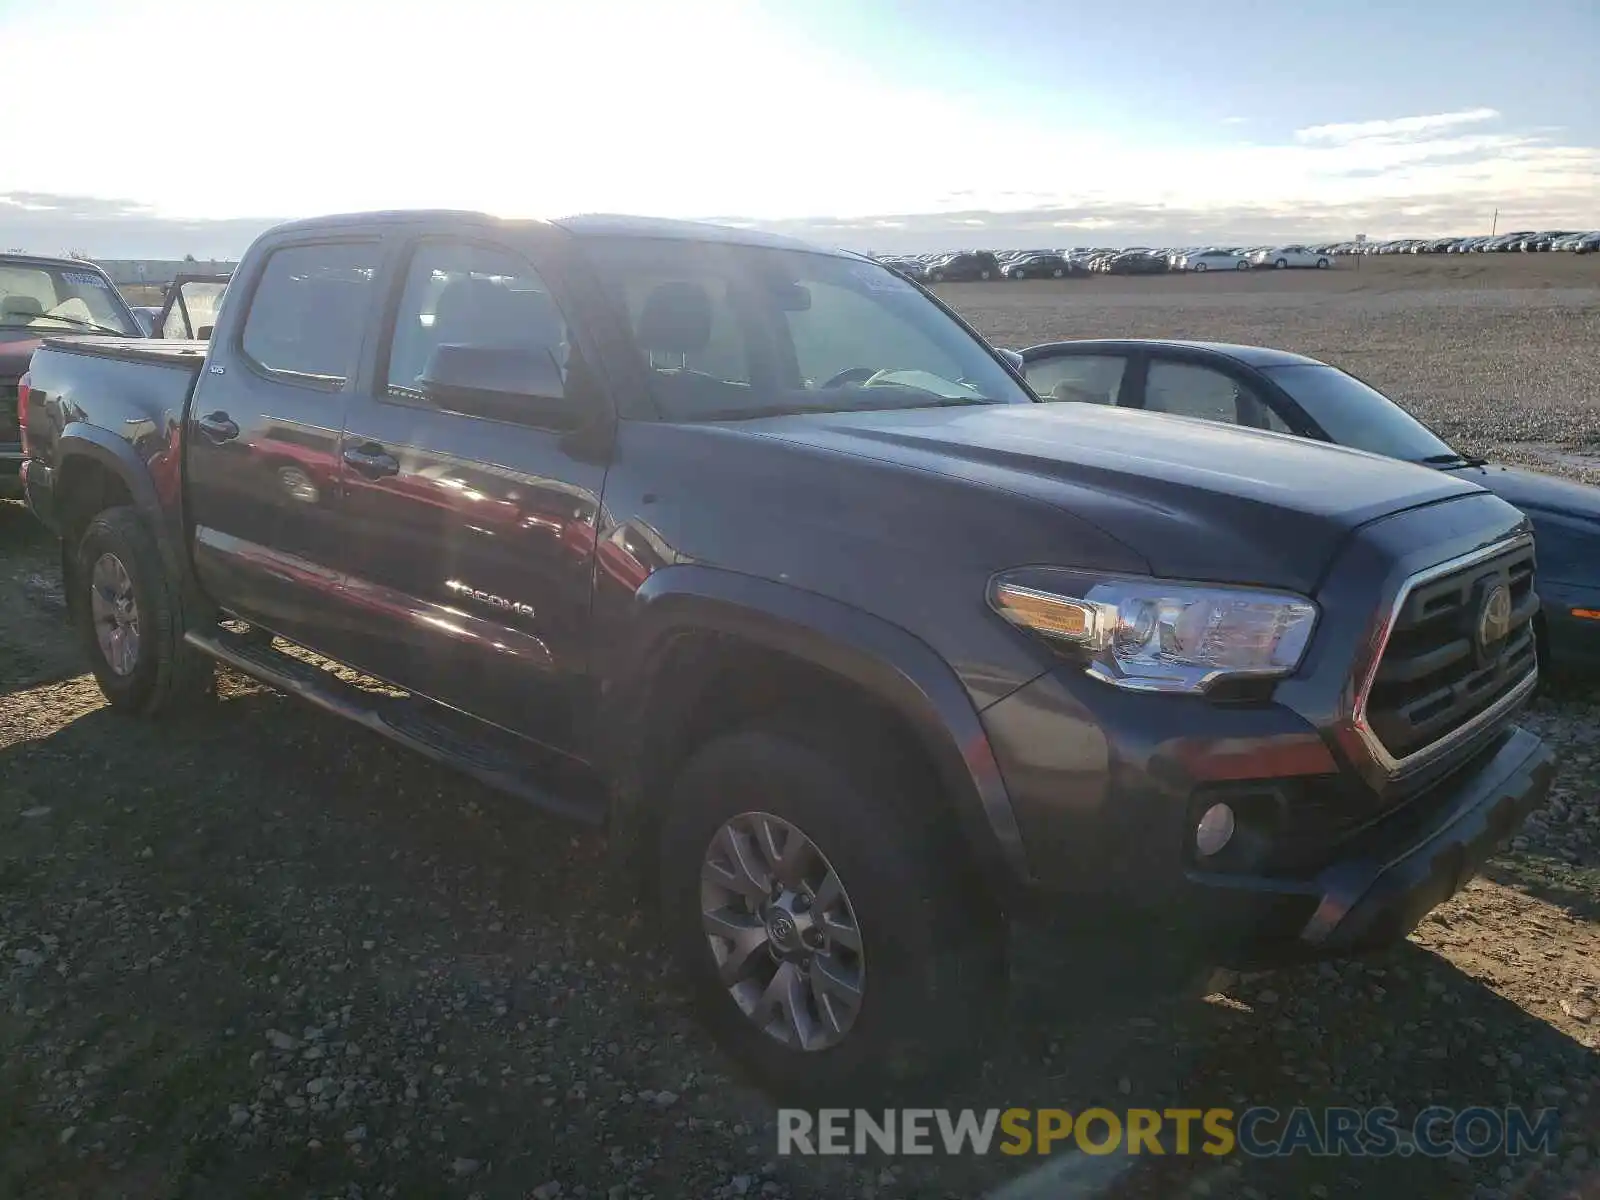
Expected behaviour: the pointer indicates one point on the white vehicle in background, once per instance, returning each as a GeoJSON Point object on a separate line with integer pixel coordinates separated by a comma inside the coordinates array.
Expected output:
{"type": "Point", "coordinates": [1213, 260]}
{"type": "Point", "coordinates": [1290, 256]}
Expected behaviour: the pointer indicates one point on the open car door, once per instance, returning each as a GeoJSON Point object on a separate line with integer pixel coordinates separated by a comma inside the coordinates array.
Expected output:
{"type": "Point", "coordinates": [190, 309]}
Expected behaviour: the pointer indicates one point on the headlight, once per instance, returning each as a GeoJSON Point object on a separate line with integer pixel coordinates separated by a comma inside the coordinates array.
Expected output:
{"type": "Point", "coordinates": [1151, 635]}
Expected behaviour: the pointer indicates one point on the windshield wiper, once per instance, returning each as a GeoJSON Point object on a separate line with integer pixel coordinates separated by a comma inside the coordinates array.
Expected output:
{"type": "Point", "coordinates": [75, 322]}
{"type": "Point", "coordinates": [1453, 460]}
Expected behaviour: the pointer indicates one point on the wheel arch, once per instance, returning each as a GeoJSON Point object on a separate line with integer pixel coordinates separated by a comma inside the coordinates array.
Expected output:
{"type": "Point", "coordinates": [706, 647]}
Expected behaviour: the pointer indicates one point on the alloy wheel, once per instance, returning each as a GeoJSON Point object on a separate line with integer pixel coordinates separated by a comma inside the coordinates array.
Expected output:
{"type": "Point", "coordinates": [115, 613]}
{"type": "Point", "coordinates": [782, 931]}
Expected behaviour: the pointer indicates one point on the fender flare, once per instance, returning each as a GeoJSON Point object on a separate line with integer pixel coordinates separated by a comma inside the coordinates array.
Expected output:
{"type": "Point", "coordinates": [116, 455]}
{"type": "Point", "coordinates": [890, 665]}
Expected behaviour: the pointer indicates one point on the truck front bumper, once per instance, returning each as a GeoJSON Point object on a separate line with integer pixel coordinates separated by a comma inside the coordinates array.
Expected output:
{"type": "Point", "coordinates": [1107, 787]}
{"type": "Point", "coordinates": [1391, 874]}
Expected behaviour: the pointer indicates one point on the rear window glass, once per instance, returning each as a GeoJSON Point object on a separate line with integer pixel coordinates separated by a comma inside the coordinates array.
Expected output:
{"type": "Point", "coordinates": [306, 315]}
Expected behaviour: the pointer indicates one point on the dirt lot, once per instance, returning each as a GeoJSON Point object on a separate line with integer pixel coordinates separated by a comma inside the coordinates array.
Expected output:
{"type": "Point", "coordinates": [260, 953]}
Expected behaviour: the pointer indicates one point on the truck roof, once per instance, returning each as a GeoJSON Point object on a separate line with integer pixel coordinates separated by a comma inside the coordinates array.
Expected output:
{"type": "Point", "coordinates": [582, 225]}
{"type": "Point", "coordinates": [620, 225]}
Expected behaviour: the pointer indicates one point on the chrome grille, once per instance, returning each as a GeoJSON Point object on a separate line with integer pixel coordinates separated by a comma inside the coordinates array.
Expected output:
{"type": "Point", "coordinates": [1445, 669]}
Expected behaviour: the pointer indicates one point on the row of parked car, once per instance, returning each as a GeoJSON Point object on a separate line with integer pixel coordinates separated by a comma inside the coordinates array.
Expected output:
{"type": "Point", "coordinates": [966, 266]}
{"type": "Point", "coordinates": [1525, 241]}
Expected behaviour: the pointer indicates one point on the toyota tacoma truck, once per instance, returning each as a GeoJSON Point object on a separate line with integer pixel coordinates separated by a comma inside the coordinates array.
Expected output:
{"type": "Point", "coordinates": [38, 297]}
{"type": "Point", "coordinates": [759, 557]}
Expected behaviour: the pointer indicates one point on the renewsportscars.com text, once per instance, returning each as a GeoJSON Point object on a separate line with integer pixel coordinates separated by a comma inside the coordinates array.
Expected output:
{"type": "Point", "coordinates": [1259, 1132]}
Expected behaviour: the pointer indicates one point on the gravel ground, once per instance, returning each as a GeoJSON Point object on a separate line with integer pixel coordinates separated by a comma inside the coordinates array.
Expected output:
{"type": "Point", "coordinates": [259, 953]}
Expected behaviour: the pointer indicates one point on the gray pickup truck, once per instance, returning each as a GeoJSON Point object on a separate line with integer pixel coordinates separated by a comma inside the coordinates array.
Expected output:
{"type": "Point", "coordinates": [761, 558]}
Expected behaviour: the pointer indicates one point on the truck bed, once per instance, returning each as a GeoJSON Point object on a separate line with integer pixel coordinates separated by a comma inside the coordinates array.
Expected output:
{"type": "Point", "coordinates": [161, 352]}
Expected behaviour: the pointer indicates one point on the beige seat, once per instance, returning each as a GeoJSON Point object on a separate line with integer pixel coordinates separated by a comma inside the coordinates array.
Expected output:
{"type": "Point", "coordinates": [19, 310]}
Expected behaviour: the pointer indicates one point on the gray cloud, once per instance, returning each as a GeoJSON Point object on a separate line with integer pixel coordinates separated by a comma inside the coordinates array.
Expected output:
{"type": "Point", "coordinates": [45, 223]}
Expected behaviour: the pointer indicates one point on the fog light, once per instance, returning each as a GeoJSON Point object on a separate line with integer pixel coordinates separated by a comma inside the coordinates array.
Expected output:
{"type": "Point", "coordinates": [1214, 831]}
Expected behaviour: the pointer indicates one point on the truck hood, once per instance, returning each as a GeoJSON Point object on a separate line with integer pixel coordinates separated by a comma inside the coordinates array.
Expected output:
{"type": "Point", "coordinates": [1197, 500]}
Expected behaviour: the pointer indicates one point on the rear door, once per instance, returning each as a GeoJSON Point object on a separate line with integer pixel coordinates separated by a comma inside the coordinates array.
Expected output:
{"type": "Point", "coordinates": [472, 536]}
{"type": "Point", "coordinates": [262, 441]}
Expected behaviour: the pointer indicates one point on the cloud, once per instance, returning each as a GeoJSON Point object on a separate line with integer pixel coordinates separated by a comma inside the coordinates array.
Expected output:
{"type": "Point", "coordinates": [50, 223]}
{"type": "Point", "coordinates": [1398, 129]}
{"type": "Point", "coordinates": [1235, 120]}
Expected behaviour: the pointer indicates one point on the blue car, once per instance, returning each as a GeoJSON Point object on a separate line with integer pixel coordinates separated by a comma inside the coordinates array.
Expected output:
{"type": "Point", "coordinates": [1288, 393]}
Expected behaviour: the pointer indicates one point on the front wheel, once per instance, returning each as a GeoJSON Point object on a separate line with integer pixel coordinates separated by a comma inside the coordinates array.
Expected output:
{"type": "Point", "coordinates": [1322, 264]}
{"type": "Point", "coordinates": [984, 274]}
{"type": "Point", "coordinates": [1019, 274]}
{"type": "Point", "coordinates": [129, 619]}
{"type": "Point", "coordinates": [1281, 263]}
{"type": "Point", "coordinates": [1200, 267]}
{"type": "Point", "coordinates": [1242, 265]}
{"type": "Point", "coordinates": [832, 945]}
{"type": "Point", "coordinates": [1057, 273]}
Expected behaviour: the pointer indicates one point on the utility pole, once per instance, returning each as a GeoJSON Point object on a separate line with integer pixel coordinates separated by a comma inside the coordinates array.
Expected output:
{"type": "Point", "coordinates": [1494, 224]}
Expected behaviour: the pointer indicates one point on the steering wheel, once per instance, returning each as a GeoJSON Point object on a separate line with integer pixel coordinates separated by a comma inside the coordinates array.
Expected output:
{"type": "Point", "coordinates": [851, 375]}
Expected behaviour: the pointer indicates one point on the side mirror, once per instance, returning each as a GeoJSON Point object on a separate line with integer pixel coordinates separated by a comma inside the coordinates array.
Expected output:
{"type": "Point", "coordinates": [1012, 357]}
{"type": "Point", "coordinates": [501, 383]}
{"type": "Point", "coordinates": [204, 332]}
{"type": "Point", "coordinates": [146, 323]}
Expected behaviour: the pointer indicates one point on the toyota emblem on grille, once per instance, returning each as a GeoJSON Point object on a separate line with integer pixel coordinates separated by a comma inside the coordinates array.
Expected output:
{"type": "Point", "coordinates": [1494, 617]}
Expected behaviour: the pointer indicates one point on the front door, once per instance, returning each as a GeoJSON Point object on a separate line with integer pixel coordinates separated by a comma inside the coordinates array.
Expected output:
{"type": "Point", "coordinates": [261, 446]}
{"type": "Point", "coordinates": [473, 536]}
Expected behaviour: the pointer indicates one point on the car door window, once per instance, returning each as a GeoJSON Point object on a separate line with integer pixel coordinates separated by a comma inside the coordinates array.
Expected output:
{"type": "Point", "coordinates": [461, 294]}
{"type": "Point", "coordinates": [1191, 390]}
{"type": "Point", "coordinates": [1084, 378]}
{"type": "Point", "coordinates": [305, 318]}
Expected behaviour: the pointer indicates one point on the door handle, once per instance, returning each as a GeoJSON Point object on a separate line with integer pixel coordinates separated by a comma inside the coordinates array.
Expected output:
{"type": "Point", "coordinates": [217, 426]}
{"type": "Point", "coordinates": [372, 460]}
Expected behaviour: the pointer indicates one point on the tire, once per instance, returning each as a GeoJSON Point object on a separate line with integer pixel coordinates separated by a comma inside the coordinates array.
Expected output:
{"type": "Point", "coordinates": [1281, 263]}
{"type": "Point", "coordinates": [936, 276]}
{"type": "Point", "coordinates": [1322, 264]}
{"type": "Point", "coordinates": [1019, 274]}
{"type": "Point", "coordinates": [1242, 265]}
{"type": "Point", "coordinates": [984, 275]}
{"type": "Point", "coordinates": [1199, 268]}
{"type": "Point", "coordinates": [119, 580]}
{"type": "Point", "coordinates": [1057, 273]}
{"type": "Point", "coordinates": [931, 967]}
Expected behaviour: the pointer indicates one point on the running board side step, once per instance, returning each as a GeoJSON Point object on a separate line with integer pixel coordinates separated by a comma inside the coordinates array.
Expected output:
{"type": "Point", "coordinates": [413, 722]}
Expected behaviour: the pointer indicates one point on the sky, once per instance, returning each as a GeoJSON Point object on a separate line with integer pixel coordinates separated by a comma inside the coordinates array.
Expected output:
{"type": "Point", "coordinates": [188, 126]}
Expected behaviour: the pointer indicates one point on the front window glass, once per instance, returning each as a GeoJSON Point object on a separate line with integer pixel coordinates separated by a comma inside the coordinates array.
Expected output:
{"type": "Point", "coordinates": [56, 299]}
{"type": "Point", "coordinates": [731, 331]}
{"type": "Point", "coordinates": [465, 295]}
{"type": "Point", "coordinates": [1353, 414]}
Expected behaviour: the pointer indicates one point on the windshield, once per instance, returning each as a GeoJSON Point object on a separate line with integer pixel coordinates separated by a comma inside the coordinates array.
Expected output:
{"type": "Point", "coordinates": [1355, 415]}
{"type": "Point", "coordinates": [732, 331]}
{"type": "Point", "coordinates": [52, 298]}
